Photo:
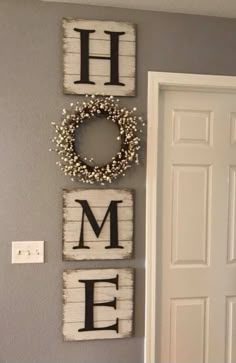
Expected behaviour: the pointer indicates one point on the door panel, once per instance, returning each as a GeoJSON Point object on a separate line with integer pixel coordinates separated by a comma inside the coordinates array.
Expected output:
{"type": "Point", "coordinates": [188, 330]}
{"type": "Point", "coordinates": [231, 256]}
{"type": "Point", "coordinates": [190, 226]}
{"type": "Point", "coordinates": [231, 329]}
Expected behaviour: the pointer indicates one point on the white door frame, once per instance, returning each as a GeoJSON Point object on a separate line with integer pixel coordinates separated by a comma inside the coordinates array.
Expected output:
{"type": "Point", "coordinates": [156, 82]}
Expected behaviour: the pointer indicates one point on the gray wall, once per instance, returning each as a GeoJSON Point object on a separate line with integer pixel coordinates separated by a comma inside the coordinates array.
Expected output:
{"type": "Point", "coordinates": [31, 185]}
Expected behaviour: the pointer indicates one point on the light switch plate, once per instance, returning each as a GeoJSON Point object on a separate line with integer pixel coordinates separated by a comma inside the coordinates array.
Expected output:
{"type": "Point", "coordinates": [27, 252]}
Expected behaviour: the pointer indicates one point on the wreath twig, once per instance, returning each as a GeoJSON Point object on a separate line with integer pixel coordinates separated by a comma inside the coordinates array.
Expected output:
{"type": "Point", "coordinates": [76, 166]}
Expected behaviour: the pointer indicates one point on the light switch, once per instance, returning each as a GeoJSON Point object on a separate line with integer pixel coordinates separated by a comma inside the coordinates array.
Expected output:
{"type": "Point", "coordinates": [27, 252]}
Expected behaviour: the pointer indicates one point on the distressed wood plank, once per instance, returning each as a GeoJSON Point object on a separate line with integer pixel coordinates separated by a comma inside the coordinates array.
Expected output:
{"type": "Point", "coordinates": [72, 231]}
{"type": "Point", "coordinates": [97, 197]}
{"type": "Point", "coordinates": [100, 26]}
{"type": "Point", "coordinates": [70, 331]}
{"type": "Point", "coordinates": [74, 299]}
{"type": "Point", "coordinates": [71, 277]}
{"type": "Point", "coordinates": [98, 88]}
{"type": "Point", "coordinates": [97, 67]}
{"type": "Point", "coordinates": [98, 202]}
{"type": "Point", "coordinates": [102, 294]}
{"type": "Point", "coordinates": [74, 312]}
{"type": "Point", "coordinates": [126, 48]}
{"type": "Point", "coordinates": [85, 254]}
{"type": "Point", "coordinates": [75, 214]}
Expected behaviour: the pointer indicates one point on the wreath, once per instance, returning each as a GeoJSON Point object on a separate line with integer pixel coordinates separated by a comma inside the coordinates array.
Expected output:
{"type": "Point", "coordinates": [81, 168]}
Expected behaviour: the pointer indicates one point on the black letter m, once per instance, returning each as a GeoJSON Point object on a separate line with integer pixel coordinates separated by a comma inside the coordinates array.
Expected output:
{"type": "Point", "coordinates": [112, 211]}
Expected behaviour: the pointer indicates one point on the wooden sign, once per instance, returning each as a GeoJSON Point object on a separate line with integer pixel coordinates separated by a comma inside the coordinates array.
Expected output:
{"type": "Point", "coordinates": [99, 57]}
{"type": "Point", "coordinates": [97, 224]}
{"type": "Point", "coordinates": [98, 304]}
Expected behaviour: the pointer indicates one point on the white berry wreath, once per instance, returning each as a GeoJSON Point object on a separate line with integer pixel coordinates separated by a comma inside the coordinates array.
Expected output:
{"type": "Point", "coordinates": [76, 166]}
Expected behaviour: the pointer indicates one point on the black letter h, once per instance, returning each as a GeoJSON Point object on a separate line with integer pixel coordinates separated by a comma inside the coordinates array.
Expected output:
{"type": "Point", "coordinates": [85, 56]}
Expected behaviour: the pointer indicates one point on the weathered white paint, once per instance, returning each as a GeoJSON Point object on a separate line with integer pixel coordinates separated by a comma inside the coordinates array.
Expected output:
{"type": "Point", "coordinates": [74, 312]}
{"type": "Point", "coordinates": [98, 88]}
{"type": "Point", "coordinates": [99, 69]}
{"type": "Point", "coordinates": [97, 251]}
{"type": "Point", "coordinates": [70, 331]}
{"type": "Point", "coordinates": [97, 197]}
{"type": "Point", "coordinates": [73, 276]}
{"type": "Point", "coordinates": [101, 294]}
{"type": "Point", "coordinates": [99, 26]}
{"type": "Point", "coordinates": [72, 229]}
{"type": "Point", "coordinates": [74, 303]}
{"type": "Point", "coordinates": [72, 44]}
{"type": "Point", "coordinates": [72, 214]}
{"type": "Point", "coordinates": [98, 200]}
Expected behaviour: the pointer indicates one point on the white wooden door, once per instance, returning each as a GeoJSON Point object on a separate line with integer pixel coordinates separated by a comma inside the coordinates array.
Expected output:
{"type": "Point", "coordinates": [197, 280]}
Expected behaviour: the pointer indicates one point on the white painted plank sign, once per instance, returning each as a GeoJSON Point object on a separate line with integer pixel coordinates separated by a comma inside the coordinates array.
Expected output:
{"type": "Point", "coordinates": [97, 224]}
{"type": "Point", "coordinates": [99, 57]}
{"type": "Point", "coordinates": [98, 304]}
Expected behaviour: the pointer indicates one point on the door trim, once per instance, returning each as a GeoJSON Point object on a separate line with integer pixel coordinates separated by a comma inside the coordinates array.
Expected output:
{"type": "Point", "coordinates": [158, 81]}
